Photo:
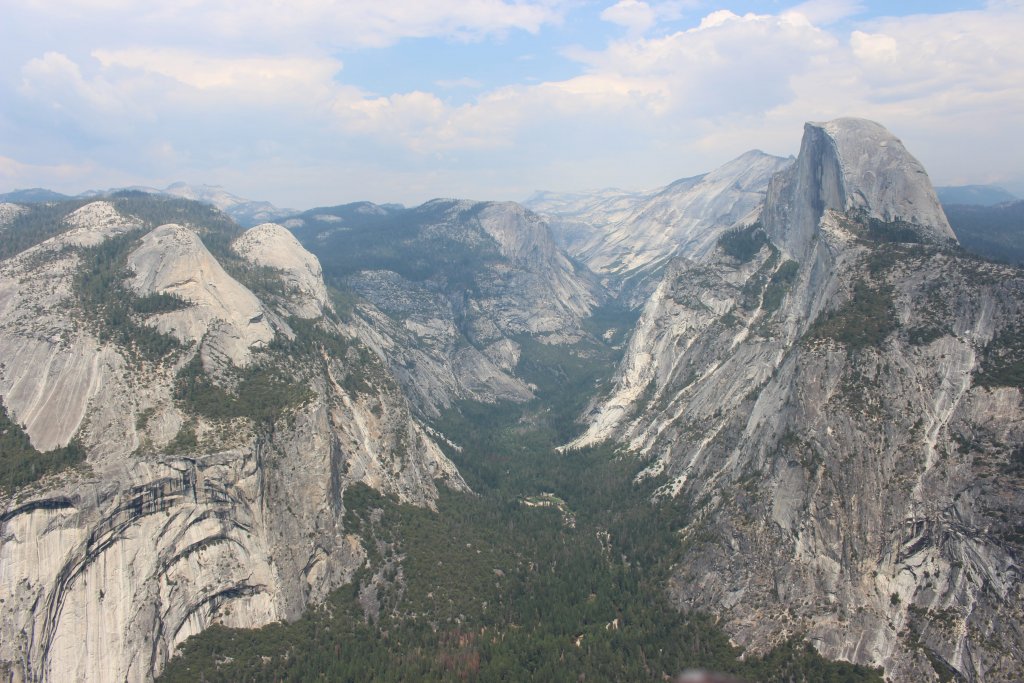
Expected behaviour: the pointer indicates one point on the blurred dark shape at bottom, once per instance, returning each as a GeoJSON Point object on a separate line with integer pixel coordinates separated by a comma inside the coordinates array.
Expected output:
{"type": "Point", "coordinates": [698, 676]}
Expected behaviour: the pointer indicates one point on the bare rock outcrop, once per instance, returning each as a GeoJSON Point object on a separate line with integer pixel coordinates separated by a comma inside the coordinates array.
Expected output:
{"type": "Point", "coordinates": [185, 513]}
{"type": "Point", "coordinates": [538, 292]}
{"type": "Point", "coordinates": [836, 403]}
{"type": "Point", "coordinates": [8, 212]}
{"type": "Point", "coordinates": [633, 236]}
{"type": "Point", "coordinates": [173, 260]}
{"type": "Point", "coordinates": [851, 165]}
{"type": "Point", "coordinates": [450, 289]}
{"type": "Point", "coordinates": [51, 367]}
{"type": "Point", "coordinates": [94, 223]}
{"type": "Point", "coordinates": [274, 246]}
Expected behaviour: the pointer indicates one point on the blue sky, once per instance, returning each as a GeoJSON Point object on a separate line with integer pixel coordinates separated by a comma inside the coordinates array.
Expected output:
{"type": "Point", "coordinates": [315, 102]}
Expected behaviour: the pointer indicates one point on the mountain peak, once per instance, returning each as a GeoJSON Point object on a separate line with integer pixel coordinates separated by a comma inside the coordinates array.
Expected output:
{"type": "Point", "coordinates": [883, 178]}
{"type": "Point", "coordinates": [852, 164]}
{"type": "Point", "coordinates": [274, 246]}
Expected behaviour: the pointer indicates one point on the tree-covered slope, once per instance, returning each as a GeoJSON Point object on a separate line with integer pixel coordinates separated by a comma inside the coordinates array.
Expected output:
{"type": "Point", "coordinates": [555, 570]}
{"type": "Point", "coordinates": [995, 232]}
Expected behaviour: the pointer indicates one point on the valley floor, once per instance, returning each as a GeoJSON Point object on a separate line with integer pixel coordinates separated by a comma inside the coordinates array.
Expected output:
{"type": "Point", "coordinates": [553, 570]}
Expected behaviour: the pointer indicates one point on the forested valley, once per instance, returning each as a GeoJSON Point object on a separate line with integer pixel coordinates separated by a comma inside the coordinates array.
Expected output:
{"type": "Point", "coordinates": [554, 569]}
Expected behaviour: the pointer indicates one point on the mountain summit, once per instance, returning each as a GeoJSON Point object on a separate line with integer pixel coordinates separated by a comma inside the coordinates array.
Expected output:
{"type": "Point", "coordinates": [225, 412]}
{"type": "Point", "coordinates": [849, 165]}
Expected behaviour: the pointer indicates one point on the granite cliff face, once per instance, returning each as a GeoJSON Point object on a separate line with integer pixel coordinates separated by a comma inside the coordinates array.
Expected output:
{"type": "Point", "coordinates": [851, 165]}
{"type": "Point", "coordinates": [633, 236]}
{"type": "Point", "coordinates": [450, 289]}
{"type": "Point", "coordinates": [221, 438]}
{"type": "Point", "coordinates": [226, 317]}
{"type": "Point", "coordinates": [835, 392]}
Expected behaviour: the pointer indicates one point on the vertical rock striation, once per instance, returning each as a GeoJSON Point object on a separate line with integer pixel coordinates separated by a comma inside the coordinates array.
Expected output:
{"type": "Point", "coordinates": [837, 404]}
{"type": "Point", "coordinates": [851, 165]}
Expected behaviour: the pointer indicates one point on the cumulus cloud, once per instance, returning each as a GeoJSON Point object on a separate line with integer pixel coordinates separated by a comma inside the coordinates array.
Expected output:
{"type": "Point", "coordinates": [57, 80]}
{"type": "Point", "coordinates": [824, 12]}
{"type": "Point", "coordinates": [639, 17]}
{"type": "Point", "coordinates": [727, 64]}
{"type": "Point", "coordinates": [671, 104]}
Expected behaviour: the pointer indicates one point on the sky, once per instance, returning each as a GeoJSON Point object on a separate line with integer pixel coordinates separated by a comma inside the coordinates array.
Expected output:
{"type": "Point", "coordinates": [322, 102]}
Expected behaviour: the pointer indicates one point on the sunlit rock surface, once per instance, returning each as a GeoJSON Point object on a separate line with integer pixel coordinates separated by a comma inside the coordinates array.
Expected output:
{"type": "Point", "coordinates": [826, 406]}
{"type": "Point", "coordinates": [851, 165]}
{"type": "Point", "coordinates": [8, 212]}
{"type": "Point", "coordinates": [449, 291]}
{"type": "Point", "coordinates": [173, 260]}
{"type": "Point", "coordinates": [106, 568]}
{"type": "Point", "coordinates": [273, 246]}
{"type": "Point", "coordinates": [634, 235]}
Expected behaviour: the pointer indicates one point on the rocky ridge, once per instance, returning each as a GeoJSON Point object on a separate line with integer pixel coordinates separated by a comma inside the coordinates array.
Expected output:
{"type": "Point", "coordinates": [826, 383]}
{"type": "Point", "coordinates": [830, 390]}
{"type": "Point", "coordinates": [457, 287]}
{"type": "Point", "coordinates": [246, 212]}
{"type": "Point", "coordinates": [212, 491]}
{"type": "Point", "coordinates": [635, 235]}
{"type": "Point", "coordinates": [575, 217]}
{"type": "Point", "coordinates": [851, 165]}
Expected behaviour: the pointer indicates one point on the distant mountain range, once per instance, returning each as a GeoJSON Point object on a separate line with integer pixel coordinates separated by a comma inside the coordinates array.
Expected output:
{"type": "Point", "coordinates": [981, 195]}
{"type": "Point", "coordinates": [35, 195]}
{"type": "Point", "coordinates": [634, 235]}
{"type": "Point", "coordinates": [246, 212]}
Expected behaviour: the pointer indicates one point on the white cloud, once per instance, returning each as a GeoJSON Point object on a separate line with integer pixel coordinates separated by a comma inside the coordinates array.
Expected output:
{"type": "Point", "coordinates": [639, 17]}
{"type": "Point", "coordinates": [824, 12]}
{"type": "Point", "coordinates": [261, 77]}
{"type": "Point", "coordinates": [350, 23]}
{"type": "Point", "coordinates": [635, 15]}
{"type": "Point", "coordinates": [407, 116]}
{"type": "Point", "coordinates": [874, 49]}
{"type": "Point", "coordinates": [641, 111]}
{"type": "Point", "coordinates": [727, 64]}
{"type": "Point", "coordinates": [58, 81]}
